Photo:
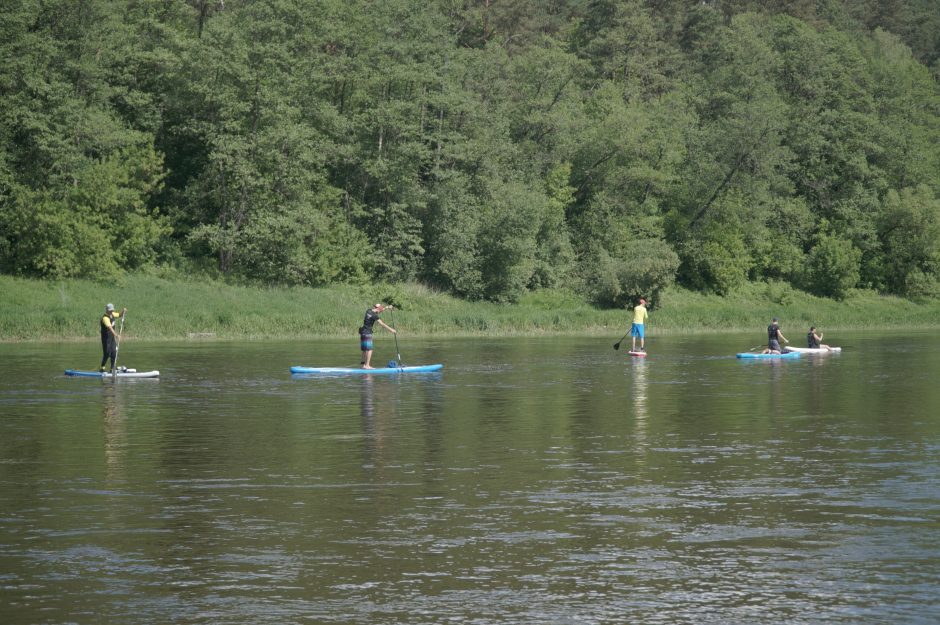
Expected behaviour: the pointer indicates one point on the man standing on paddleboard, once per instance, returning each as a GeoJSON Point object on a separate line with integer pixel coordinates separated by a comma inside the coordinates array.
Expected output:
{"type": "Point", "coordinates": [774, 336]}
{"type": "Point", "coordinates": [639, 322]}
{"type": "Point", "coordinates": [365, 332]}
{"type": "Point", "coordinates": [109, 338]}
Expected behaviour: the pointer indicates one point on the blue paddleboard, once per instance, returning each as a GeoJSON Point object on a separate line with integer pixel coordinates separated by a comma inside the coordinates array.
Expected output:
{"type": "Point", "coordinates": [359, 370]}
{"type": "Point", "coordinates": [784, 355]}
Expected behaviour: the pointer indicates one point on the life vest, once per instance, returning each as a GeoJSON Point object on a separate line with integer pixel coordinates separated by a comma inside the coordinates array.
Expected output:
{"type": "Point", "coordinates": [105, 328]}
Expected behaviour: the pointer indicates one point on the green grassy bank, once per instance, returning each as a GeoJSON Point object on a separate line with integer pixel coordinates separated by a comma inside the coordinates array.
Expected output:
{"type": "Point", "coordinates": [161, 309]}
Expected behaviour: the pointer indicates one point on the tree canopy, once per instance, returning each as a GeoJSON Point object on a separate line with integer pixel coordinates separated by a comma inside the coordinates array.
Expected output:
{"type": "Point", "coordinates": [487, 147]}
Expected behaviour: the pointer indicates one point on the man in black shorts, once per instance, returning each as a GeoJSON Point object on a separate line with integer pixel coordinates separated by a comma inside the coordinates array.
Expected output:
{"type": "Point", "coordinates": [774, 336]}
{"type": "Point", "coordinates": [365, 332]}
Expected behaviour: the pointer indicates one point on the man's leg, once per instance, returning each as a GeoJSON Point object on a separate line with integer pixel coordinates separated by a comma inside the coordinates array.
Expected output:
{"type": "Point", "coordinates": [104, 353]}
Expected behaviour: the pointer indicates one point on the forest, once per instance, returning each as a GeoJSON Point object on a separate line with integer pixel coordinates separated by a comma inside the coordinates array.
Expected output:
{"type": "Point", "coordinates": [485, 148]}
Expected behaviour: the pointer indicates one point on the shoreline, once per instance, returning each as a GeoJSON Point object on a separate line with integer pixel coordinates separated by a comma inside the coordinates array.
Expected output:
{"type": "Point", "coordinates": [611, 333]}
{"type": "Point", "coordinates": [163, 310]}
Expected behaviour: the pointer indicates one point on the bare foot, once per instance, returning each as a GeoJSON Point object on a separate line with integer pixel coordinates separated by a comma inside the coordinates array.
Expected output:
{"type": "Point", "coordinates": [367, 367]}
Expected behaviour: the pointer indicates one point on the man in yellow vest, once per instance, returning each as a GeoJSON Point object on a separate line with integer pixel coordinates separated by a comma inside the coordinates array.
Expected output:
{"type": "Point", "coordinates": [109, 338]}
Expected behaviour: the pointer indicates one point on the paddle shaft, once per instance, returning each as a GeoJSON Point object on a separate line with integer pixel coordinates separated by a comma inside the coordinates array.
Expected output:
{"type": "Point", "coordinates": [117, 347]}
{"type": "Point", "coordinates": [617, 344]}
{"type": "Point", "coordinates": [395, 334]}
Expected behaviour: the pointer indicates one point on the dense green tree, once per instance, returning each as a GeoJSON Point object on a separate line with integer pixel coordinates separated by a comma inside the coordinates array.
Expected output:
{"type": "Point", "coordinates": [910, 232]}
{"type": "Point", "coordinates": [266, 207]}
{"type": "Point", "coordinates": [736, 161]}
{"type": "Point", "coordinates": [624, 44]}
{"type": "Point", "coordinates": [833, 266]}
{"type": "Point", "coordinates": [453, 235]}
{"type": "Point", "coordinates": [554, 254]}
{"type": "Point", "coordinates": [485, 146]}
{"type": "Point", "coordinates": [908, 112]}
{"type": "Point", "coordinates": [641, 269]}
{"type": "Point", "coordinates": [77, 177]}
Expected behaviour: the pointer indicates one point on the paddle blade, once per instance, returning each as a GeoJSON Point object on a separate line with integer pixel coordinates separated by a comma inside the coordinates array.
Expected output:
{"type": "Point", "coordinates": [617, 345]}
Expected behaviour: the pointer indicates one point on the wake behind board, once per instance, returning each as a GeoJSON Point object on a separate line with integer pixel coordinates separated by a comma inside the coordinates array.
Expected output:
{"type": "Point", "coordinates": [358, 370]}
{"type": "Point", "coordinates": [813, 350]}
{"type": "Point", "coordinates": [637, 354]}
{"type": "Point", "coordinates": [784, 356]}
{"type": "Point", "coordinates": [127, 373]}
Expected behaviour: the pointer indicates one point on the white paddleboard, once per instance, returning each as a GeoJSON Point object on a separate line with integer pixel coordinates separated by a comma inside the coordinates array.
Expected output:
{"type": "Point", "coordinates": [813, 350]}
{"type": "Point", "coordinates": [124, 373]}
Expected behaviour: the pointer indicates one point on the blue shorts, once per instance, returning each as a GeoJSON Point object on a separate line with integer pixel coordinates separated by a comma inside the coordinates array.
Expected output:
{"type": "Point", "coordinates": [365, 342]}
{"type": "Point", "coordinates": [637, 330]}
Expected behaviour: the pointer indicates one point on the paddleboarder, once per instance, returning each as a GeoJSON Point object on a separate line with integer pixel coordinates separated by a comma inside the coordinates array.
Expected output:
{"type": "Point", "coordinates": [365, 332]}
{"type": "Point", "coordinates": [109, 338]}
{"type": "Point", "coordinates": [774, 336]}
{"type": "Point", "coordinates": [639, 323]}
{"type": "Point", "coordinates": [813, 339]}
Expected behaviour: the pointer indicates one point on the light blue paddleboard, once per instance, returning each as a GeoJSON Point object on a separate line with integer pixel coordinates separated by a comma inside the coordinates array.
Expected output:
{"type": "Point", "coordinates": [359, 370]}
{"type": "Point", "coordinates": [753, 355]}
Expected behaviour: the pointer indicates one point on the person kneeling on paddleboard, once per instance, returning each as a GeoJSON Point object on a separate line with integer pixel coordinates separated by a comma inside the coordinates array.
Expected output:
{"type": "Point", "coordinates": [774, 336]}
{"type": "Point", "coordinates": [637, 329]}
{"type": "Point", "coordinates": [813, 339]}
{"type": "Point", "coordinates": [109, 338]}
{"type": "Point", "coordinates": [365, 332]}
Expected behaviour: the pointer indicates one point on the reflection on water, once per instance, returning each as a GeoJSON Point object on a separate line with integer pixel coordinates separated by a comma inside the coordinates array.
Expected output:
{"type": "Point", "coordinates": [534, 481]}
{"type": "Point", "coordinates": [640, 390]}
{"type": "Point", "coordinates": [115, 431]}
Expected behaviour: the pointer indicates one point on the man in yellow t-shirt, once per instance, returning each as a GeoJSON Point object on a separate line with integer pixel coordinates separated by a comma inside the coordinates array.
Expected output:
{"type": "Point", "coordinates": [637, 329]}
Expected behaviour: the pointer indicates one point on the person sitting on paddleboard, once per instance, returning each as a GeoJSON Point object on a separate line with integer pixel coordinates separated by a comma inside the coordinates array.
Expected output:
{"type": "Point", "coordinates": [813, 339]}
{"type": "Point", "coordinates": [109, 338]}
{"type": "Point", "coordinates": [774, 336]}
{"type": "Point", "coordinates": [637, 329]}
{"type": "Point", "coordinates": [365, 332]}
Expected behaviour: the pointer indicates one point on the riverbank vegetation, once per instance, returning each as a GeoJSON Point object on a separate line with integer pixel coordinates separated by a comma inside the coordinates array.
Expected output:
{"type": "Point", "coordinates": [489, 149]}
{"type": "Point", "coordinates": [178, 309]}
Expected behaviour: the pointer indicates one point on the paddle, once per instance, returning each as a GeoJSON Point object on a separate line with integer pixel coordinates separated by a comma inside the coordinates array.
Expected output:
{"type": "Point", "coordinates": [395, 334]}
{"type": "Point", "coordinates": [617, 344]}
{"type": "Point", "coordinates": [117, 347]}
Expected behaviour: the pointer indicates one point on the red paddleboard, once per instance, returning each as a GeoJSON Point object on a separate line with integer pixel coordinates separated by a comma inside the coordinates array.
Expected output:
{"type": "Point", "coordinates": [638, 354]}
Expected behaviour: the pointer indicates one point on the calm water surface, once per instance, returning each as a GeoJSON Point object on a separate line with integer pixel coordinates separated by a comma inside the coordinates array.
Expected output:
{"type": "Point", "coordinates": [533, 481]}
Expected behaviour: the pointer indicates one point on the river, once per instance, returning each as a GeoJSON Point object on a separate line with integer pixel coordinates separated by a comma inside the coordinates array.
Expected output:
{"type": "Point", "coordinates": [538, 480]}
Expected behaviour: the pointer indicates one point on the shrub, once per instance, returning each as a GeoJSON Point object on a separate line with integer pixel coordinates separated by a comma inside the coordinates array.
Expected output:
{"type": "Point", "coordinates": [645, 268]}
{"type": "Point", "coordinates": [715, 265]}
{"type": "Point", "coordinates": [833, 267]}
